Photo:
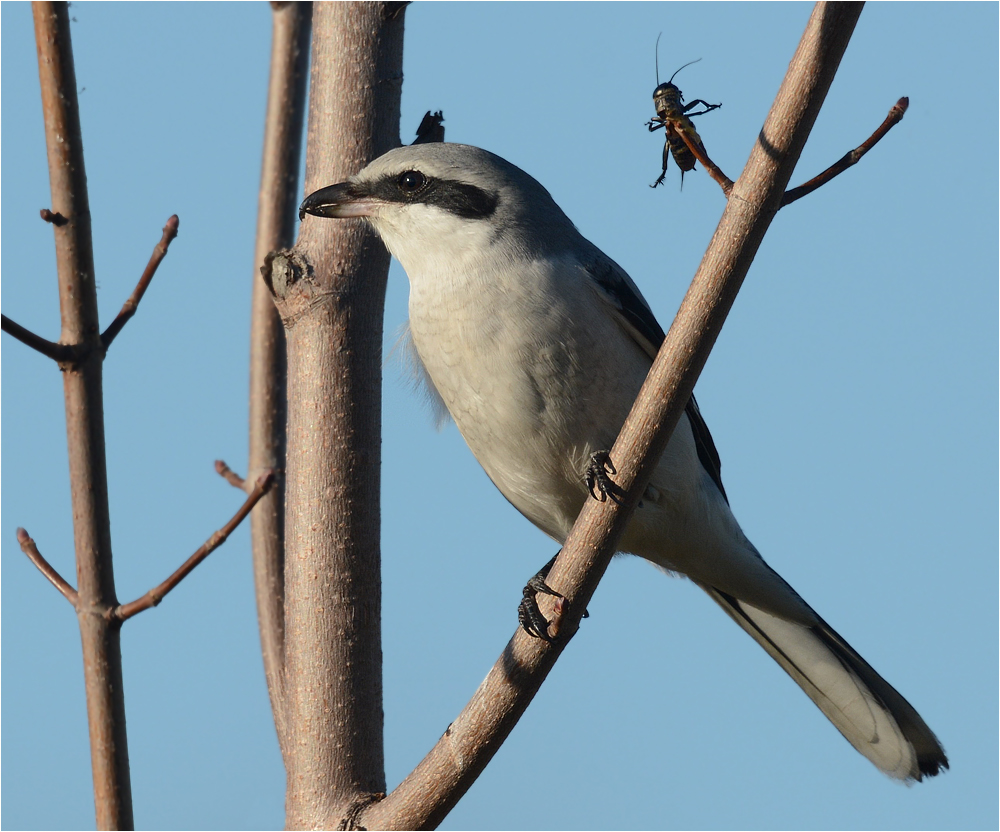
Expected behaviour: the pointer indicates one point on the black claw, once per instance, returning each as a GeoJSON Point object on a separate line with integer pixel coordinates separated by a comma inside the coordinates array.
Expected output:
{"type": "Point", "coordinates": [599, 484]}
{"type": "Point", "coordinates": [531, 619]}
{"type": "Point", "coordinates": [528, 613]}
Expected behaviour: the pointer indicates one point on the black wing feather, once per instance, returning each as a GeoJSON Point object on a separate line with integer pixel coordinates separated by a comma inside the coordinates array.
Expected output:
{"type": "Point", "coordinates": [632, 306]}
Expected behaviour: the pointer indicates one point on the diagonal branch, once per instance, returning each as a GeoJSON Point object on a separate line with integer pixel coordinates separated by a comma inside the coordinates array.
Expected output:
{"type": "Point", "coordinates": [158, 593]}
{"type": "Point", "coordinates": [849, 159]}
{"type": "Point", "coordinates": [70, 352]}
{"type": "Point", "coordinates": [425, 797]}
{"type": "Point", "coordinates": [699, 152]}
{"type": "Point", "coordinates": [132, 304]}
{"type": "Point", "coordinates": [50, 349]}
{"type": "Point", "coordinates": [895, 116]}
{"type": "Point", "coordinates": [47, 569]}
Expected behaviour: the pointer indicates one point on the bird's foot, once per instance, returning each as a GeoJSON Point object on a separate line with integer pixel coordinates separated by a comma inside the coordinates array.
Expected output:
{"type": "Point", "coordinates": [528, 613]}
{"type": "Point", "coordinates": [599, 484]}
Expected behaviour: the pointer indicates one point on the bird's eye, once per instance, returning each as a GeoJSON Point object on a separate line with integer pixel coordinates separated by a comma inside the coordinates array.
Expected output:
{"type": "Point", "coordinates": [411, 181]}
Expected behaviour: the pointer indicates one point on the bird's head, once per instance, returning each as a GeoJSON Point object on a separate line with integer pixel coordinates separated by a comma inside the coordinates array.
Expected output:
{"type": "Point", "coordinates": [451, 201]}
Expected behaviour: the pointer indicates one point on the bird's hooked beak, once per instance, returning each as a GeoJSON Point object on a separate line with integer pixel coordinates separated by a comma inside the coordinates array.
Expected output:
{"type": "Point", "coordinates": [343, 200]}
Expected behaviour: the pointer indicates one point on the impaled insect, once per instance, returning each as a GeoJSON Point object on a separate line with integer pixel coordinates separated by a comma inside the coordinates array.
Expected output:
{"type": "Point", "coordinates": [674, 116]}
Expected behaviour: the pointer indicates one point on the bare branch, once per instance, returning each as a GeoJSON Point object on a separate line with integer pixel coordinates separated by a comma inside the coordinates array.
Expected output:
{"type": "Point", "coordinates": [132, 304]}
{"type": "Point", "coordinates": [425, 797]}
{"type": "Point", "coordinates": [31, 550]}
{"type": "Point", "coordinates": [701, 155]}
{"type": "Point", "coordinates": [276, 215]}
{"type": "Point", "coordinates": [50, 349]}
{"type": "Point", "coordinates": [158, 593]}
{"type": "Point", "coordinates": [896, 113]}
{"type": "Point", "coordinates": [229, 475]}
{"type": "Point", "coordinates": [895, 116]}
{"type": "Point", "coordinates": [334, 751]}
{"type": "Point", "coordinates": [82, 390]}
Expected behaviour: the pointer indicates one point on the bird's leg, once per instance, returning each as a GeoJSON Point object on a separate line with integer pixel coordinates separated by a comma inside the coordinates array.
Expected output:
{"type": "Point", "coordinates": [597, 478]}
{"type": "Point", "coordinates": [531, 618]}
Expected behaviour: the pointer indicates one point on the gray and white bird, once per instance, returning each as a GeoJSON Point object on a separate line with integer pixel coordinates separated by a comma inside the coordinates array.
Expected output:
{"type": "Point", "coordinates": [537, 343]}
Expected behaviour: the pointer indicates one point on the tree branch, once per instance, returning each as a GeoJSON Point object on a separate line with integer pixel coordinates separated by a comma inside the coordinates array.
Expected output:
{"type": "Point", "coordinates": [50, 349]}
{"type": "Point", "coordinates": [849, 159]}
{"type": "Point", "coordinates": [699, 152]}
{"type": "Point", "coordinates": [276, 215]}
{"type": "Point", "coordinates": [425, 797]}
{"type": "Point", "coordinates": [229, 475]}
{"type": "Point", "coordinates": [132, 304]}
{"type": "Point", "coordinates": [330, 291]}
{"type": "Point", "coordinates": [895, 116]}
{"type": "Point", "coordinates": [68, 352]}
{"type": "Point", "coordinates": [83, 394]}
{"type": "Point", "coordinates": [158, 593]}
{"type": "Point", "coordinates": [31, 550]}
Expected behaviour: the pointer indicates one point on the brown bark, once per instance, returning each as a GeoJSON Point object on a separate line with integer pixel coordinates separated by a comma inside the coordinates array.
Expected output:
{"type": "Point", "coordinates": [330, 291]}
{"type": "Point", "coordinates": [82, 386]}
{"type": "Point", "coordinates": [277, 205]}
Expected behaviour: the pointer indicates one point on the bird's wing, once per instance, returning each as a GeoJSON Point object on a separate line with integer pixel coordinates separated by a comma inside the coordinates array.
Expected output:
{"type": "Point", "coordinates": [630, 309]}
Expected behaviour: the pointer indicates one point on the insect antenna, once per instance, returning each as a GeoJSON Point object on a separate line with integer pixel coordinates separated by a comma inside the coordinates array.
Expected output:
{"type": "Point", "coordinates": [657, 52]}
{"type": "Point", "coordinates": [675, 74]}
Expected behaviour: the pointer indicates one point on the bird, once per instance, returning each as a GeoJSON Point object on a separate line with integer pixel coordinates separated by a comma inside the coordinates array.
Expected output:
{"type": "Point", "coordinates": [537, 343]}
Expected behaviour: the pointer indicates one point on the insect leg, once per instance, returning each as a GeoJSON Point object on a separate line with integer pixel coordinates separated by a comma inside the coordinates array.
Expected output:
{"type": "Point", "coordinates": [666, 159]}
{"type": "Point", "coordinates": [709, 107]}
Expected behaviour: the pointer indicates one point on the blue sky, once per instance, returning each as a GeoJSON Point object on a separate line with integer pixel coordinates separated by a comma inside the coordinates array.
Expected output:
{"type": "Point", "coordinates": [852, 395]}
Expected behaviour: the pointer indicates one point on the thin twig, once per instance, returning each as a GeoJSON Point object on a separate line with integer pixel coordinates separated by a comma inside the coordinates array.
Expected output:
{"type": "Point", "coordinates": [229, 475]}
{"type": "Point", "coordinates": [849, 159]}
{"type": "Point", "coordinates": [702, 156]}
{"type": "Point", "coordinates": [158, 593]}
{"type": "Point", "coordinates": [50, 349]}
{"type": "Point", "coordinates": [132, 304]}
{"type": "Point", "coordinates": [47, 569]}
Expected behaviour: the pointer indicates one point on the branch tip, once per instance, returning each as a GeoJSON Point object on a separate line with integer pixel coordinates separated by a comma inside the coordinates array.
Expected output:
{"type": "Point", "coordinates": [131, 306]}
{"type": "Point", "coordinates": [47, 569]}
{"type": "Point", "coordinates": [850, 158]}
{"type": "Point", "coordinates": [230, 476]}
{"type": "Point", "coordinates": [124, 612]}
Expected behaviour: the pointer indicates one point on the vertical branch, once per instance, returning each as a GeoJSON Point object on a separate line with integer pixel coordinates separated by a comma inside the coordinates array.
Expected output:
{"type": "Point", "coordinates": [275, 228]}
{"type": "Point", "coordinates": [82, 386]}
{"type": "Point", "coordinates": [330, 291]}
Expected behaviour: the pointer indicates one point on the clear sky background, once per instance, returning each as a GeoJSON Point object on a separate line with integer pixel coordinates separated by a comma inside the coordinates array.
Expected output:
{"type": "Point", "coordinates": [852, 395]}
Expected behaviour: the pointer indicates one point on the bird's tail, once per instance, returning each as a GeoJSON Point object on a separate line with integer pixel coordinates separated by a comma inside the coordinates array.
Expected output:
{"type": "Point", "coordinates": [865, 708]}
